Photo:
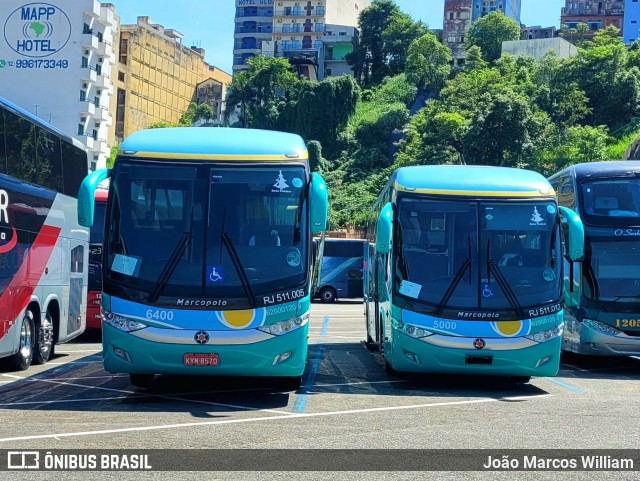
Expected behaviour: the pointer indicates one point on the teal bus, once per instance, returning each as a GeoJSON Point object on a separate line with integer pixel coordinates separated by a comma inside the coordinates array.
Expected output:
{"type": "Point", "coordinates": [602, 292]}
{"type": "Point", "coordinates": [207, 259]}
{"type": "Point", "coordinates": [464, 272]}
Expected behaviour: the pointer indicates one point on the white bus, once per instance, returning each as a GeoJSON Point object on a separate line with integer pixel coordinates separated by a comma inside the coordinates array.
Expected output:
{"type": "Point", "coordinates": [43, 249]}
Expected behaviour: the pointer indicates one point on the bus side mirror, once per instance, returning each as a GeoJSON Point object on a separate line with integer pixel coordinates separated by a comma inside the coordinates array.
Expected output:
{"type": "Point", "coordinates": [319, 203]}
{"type": "Point", "coordinates": [384, 229]}
{"type": "Point", "coordinates": [576, 233]}
{"type": "Point", "coordinates": [86, 195]}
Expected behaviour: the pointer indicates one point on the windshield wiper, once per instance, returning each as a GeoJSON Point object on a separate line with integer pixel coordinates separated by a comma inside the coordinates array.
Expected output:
{"type": "Point", "coordinates": [553, 243]}
{"type": "Point", "coordinates": [454, 283]}
{"type": "Point", "coordinates": [237, 265]}
{"type": "Point", "coordinates": [502, 282]}
{"type": "Point", "coordinates": [172, 263]}
{"type": "Point", "coordinates": [616, 299]}
{"type": "Point", "coordinates": [170, 266]}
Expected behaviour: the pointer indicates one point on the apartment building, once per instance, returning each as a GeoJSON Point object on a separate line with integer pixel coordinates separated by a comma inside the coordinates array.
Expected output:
{"type": "Point", "coordinates": [158, 77]}
{"type": "Point", "coordinates": [315, 36]}
{"type": "Point", "coordinates": [631, 25]}
{"type": "Point", "coordinates": [596, 14]}
{"type": "Point", "coordinates": [511, 8]}
{"type": "Point", "coordinates": [57, 63]}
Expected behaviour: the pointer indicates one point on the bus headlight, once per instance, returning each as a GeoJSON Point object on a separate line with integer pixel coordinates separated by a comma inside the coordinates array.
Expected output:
{"type": "Point", "coordinates": [120, 322]}
{"type": "Point", "coordinates": [547, 335]}
{"type": "Point", "coordinates": [413, 331]}
{"type": "Point", "coordinates": [602, 327]}
{"type": "Point", "coordinates": [287, 326]}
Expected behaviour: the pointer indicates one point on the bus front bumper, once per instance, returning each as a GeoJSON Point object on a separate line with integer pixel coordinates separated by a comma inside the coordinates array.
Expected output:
{"type": "Point", "coordinates": [499, 357]}
{"type": "Point", "coordinates": [277, 356]}
{"type": "Point", "coordinates": [596, 343]}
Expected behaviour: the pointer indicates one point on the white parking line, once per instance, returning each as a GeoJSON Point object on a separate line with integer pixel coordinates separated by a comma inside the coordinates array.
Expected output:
{"type": "Point", "coordinates": [271, 418]}
{"type": "Point", "coordinates": [59, 401]}
{"type": "Point", "coordinates": [171, 397]}
{"type": "Point", "coordinates": [73, 352]}
{"type": "Point", "coordinates": [73, 362]}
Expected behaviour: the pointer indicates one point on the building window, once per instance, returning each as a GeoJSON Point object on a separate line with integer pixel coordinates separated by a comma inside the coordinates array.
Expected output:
{"type": "Point", "coordinates": [83, 95]}
{"type": "Point", "coordinates": [94, 166]}
{"type": "Point", "coordinates": [80, 129]}
{"type": "Point", "coordinates": [121, 76]}
{"type": "Point", "coordinates": [85, 62]}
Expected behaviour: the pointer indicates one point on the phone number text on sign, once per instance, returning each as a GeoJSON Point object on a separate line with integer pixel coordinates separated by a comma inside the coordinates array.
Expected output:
{"type": "Point", "coordinates": [39, 63]}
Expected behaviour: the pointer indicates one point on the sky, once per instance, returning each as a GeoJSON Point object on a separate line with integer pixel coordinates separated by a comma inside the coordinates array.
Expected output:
{"type": "Point", "coordinates": [209, 23]}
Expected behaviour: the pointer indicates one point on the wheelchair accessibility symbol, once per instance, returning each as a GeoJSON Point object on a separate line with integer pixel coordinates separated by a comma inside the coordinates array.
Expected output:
{"type": "Point", "coordinates": [487, 292]}
{"type": "Point", "coordinates": [215, 274]}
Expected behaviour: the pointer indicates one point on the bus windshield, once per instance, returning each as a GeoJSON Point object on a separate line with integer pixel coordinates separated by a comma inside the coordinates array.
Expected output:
{"type": "Point", "coordinates": [478, 255]}
{"type": "Point", "coordinates": [612, 270]}
{"type": "Point", "coordinates": [612, 202]}
{"type": "Point", "coordinates": [223, 227]}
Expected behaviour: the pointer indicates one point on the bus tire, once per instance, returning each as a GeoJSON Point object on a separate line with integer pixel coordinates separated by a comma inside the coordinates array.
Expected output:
{"type": "Point", "coordinates": [328, 295]}
{"type": "Point", "coordinates": [144, 381]}
{"type": "Point", "coordinates": [22, 359]}
{"type": "Point", "coordinates": [43, 346]}
{"type": "Point", "coordinates": [389, 369]}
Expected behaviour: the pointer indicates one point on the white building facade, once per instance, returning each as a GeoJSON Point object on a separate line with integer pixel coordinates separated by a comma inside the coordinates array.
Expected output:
{"type": "Point", "coordinates": [55, 61]}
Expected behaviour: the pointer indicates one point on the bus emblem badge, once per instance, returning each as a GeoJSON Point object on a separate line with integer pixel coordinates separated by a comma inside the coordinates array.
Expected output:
{"type": "Point", "coordinates": [201, 337]}
{"type": "Point", "coordinates": [479, 343]}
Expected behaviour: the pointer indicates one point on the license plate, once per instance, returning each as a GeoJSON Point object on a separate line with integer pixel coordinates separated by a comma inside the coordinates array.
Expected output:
{"type": "Point", "coordinates": [193, 359]}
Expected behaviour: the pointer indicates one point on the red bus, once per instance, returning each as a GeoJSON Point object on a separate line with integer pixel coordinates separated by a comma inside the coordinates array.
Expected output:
{"type": "Point", "coordinates": [94, 321]}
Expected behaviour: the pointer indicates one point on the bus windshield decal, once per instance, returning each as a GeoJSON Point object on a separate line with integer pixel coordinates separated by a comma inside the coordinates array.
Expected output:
{"type": "Point", "coordinates": [126, 265]}
{"type": "Point", "coordinates": [410, 289]}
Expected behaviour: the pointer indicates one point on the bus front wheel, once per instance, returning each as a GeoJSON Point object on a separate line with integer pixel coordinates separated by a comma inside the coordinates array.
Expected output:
{"type": "Point", "coordinates": [328, 294]}
{"type": "Point", "coordinates": [21, 360]}
{"type": "Point", "coordinates": [144, 381]}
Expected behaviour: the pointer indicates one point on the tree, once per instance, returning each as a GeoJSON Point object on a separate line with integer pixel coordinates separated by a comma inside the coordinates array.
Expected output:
{"type": "Point", "coordinates": [428, 62]}
{"type": "Point", "coordinates": [319, 111]}
{"type": "Point", "coordinates": [490, 31]}
{"type": "Point", "coordinates": [112, 155]}
{"type": "Point", "coordinates": [602, 70]}
{"type": "Point", "coordinates": [255, 91]}
{"type": "Point", "coordinates": [196, 113]}
{"type": "Point", "coordinates": [368, 59]}
{"type": "Point", "coordinates": [474, 59]}
{"type": "Point", "coordinates": [397, 38]}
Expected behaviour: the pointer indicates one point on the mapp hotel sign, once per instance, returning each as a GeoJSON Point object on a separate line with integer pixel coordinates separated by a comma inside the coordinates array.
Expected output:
{"type": "Point", "coordinates": [249, 3]}
{"type": "Point", "coordinates": [34, 35]}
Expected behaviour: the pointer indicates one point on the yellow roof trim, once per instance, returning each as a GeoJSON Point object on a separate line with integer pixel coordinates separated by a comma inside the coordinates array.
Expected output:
{"type": "Point", "coordinates": [232, 157]}
{"type": "Point", "coordinates": [476, 193]}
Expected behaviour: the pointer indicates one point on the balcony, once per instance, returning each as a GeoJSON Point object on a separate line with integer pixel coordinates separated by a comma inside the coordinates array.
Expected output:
{"type": "Point", "coordinates": [88, 74]}
{"type": "Point", "coordinates": [90, 41]}
{"type": "Point", "coordinates": [102, 115]}
{"type": "Point", "coordinates": [86, 108]}
{"type": "Point", "coordinates": [94, 12]}
{"type": "Point", "coordinates": [105, 49]}
{"type": "Point", "coordinates": [109, 17]}
{"type": "Point", "coordinates": [103, 81]}
{"type": "Point", "coordinates": [298, 13]}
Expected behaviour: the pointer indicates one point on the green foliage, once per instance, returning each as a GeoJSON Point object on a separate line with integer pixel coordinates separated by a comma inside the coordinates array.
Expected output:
{"type": "Point", "coordinates": [316, 161]}
{"type": "Point", "coordinates": [490, 31]}
{"type": "Point", "coordinates": [195, 113]}
{"type": "Point", "coordinates": [603, 70]}
{"type": "Point", "coordinates": [428, 62]}
{"type": "Point", "coordinates": [112, 155]}
{"type": "Point", "coordinates": [163, 125]}
{"type": "Point", "coordinates": [320, 111]}
{"type": "Point", "coordinates": [255, 91]}
{"type": "Point", "coordinates": [401, 32]}
{"type": "Point", "coordinates": [368, 58]}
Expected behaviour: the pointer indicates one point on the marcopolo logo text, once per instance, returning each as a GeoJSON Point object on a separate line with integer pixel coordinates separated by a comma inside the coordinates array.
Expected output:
{"type": "Point", "coordinates": [37, 30]}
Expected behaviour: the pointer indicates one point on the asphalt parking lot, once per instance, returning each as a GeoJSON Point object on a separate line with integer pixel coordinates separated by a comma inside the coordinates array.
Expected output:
{"type": "Point", "coordinates": [347, 401]}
